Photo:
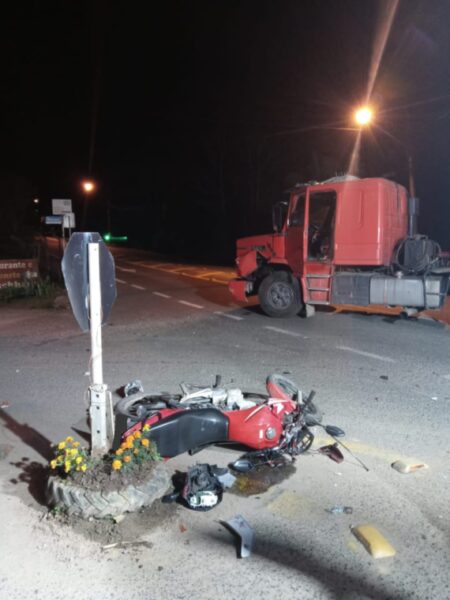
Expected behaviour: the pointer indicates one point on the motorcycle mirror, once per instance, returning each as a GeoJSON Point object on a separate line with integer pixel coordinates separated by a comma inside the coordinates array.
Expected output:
{"type": "Point", "coordinates": [334, 431]}
{"type": "Point", "coordinates": [242, 465]}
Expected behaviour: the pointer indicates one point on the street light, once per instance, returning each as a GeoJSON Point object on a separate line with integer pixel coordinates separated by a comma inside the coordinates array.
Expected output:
{"type": "Point", "coordinates": [88, 187]}
{"type": "Point", "coordinates": [363, 116]}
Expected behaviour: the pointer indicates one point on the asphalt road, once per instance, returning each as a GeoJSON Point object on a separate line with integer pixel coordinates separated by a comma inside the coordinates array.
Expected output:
{"type": "Point", "coordinates": [385, 380]}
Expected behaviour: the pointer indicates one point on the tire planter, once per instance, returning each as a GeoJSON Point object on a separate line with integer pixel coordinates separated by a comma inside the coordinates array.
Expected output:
{"type": "Point", "coordinates": [87, 503]}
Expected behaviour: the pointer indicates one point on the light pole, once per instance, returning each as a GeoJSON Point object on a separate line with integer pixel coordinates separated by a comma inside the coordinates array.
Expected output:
{"type": "Point", "coordinates": [88, 187]}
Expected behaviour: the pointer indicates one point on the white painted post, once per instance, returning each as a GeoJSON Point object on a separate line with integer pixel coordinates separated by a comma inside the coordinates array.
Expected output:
{"type": "Point", "coordinates": [101, 414]}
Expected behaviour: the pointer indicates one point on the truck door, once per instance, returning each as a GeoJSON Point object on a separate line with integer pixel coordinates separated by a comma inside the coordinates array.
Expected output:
{"type": "Point", "coordinates": [295, 233]}
{"type": "Point", "coordinates": [321, 218]}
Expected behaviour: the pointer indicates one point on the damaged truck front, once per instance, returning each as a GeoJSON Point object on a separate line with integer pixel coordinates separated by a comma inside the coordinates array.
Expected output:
{"type": "Point", "coordinates": [342, 241]}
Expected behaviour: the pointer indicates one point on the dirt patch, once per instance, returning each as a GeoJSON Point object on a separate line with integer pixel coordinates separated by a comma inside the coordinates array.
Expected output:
{"type": "Point", "coordinates": [125, 533]}
{"type": "Point", "coordinates": [102, 477]}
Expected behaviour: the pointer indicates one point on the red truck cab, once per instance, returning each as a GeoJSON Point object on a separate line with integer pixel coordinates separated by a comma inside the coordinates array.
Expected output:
{"type": "Point", "coordinates": [336, 242]}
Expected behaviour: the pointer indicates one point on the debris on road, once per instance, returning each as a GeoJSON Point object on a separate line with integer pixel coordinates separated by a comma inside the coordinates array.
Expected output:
{"type": "Point", "coordinates": [405, 466]}
{"type": "Point", "coordinates": [5, 404]}
{"type": "Point", "coordinates": [333, 452]}
{"type": "Point", "coordinates": [202, 487]}
{"type": "Point", "coordinates": [133, 387]}
{"type": "Point", "coordinates": [241, 528]}
{"type": "Point", "coordinates": [373, 541]}
{"type": "Point", "coordinates": [340, 510]}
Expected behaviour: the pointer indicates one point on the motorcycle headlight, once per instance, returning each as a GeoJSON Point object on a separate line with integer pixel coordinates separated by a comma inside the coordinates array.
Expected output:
{"type": "Point", "coordinates": [271, 433]}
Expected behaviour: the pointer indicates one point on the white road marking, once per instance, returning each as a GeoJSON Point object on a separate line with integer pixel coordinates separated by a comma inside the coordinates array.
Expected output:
{"type": "Point", "coordinates": [228, 316]}
{"type": "Point", "coordinates": [138, 287]}
{"type": "Point", "coordinates": [120, 281]}
{"type": "Point", "coordinates": [161, 295]}
{"type": "Point", "coordinates": [125, 270]}
{"type": "Point", "coordinates": [190, 304]}
{"type": "Point", "coordinates": [286, 332]}
{"type": "Point", "coordinates": [368, 354]}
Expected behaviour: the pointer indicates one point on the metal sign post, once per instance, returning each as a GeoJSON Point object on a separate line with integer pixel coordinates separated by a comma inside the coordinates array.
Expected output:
{"type": "Point", "coordinates": [89, 274]}
{"type": "Point", "coordinates": [101, 413]}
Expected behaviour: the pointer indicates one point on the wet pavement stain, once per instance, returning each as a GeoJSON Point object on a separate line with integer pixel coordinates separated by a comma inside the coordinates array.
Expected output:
{"type": "Point", "coordinates": [261, 479]}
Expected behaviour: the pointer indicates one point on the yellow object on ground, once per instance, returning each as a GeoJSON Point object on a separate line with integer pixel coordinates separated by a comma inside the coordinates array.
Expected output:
{"type": "Point", "coordinates": [372, 540]}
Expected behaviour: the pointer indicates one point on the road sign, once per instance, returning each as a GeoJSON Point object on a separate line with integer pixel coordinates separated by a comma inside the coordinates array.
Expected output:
{"type": "Point", "coordinates": [76, 276]}
{"type": "Point", "coordinates": [53, 220]}
{"type": "Point", "coordinates": [60, 206]}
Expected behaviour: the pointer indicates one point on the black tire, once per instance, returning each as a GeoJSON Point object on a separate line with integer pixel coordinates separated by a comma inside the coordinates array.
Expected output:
{"type": "Point", "coordinates": [279, 295]}
{"type": "Point", "coordinates": [86, 503]}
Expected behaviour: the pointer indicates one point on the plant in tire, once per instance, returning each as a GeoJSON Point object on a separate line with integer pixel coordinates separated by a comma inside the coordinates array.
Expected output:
{"type": "Point", "coordinates": [137, 449]}
{"type": "Point", "coordinates": [70, 457]}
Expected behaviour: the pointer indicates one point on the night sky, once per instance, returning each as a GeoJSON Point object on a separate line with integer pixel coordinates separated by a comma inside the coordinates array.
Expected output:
{"type": "Point", "coordinates": [194, 117]}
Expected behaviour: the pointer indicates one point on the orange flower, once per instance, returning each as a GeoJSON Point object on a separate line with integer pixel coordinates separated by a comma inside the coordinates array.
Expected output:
{"type": "Point", "coordinates": [137, 435]}
{"type": "Point", "coordinates": [116, 464]}
{"type": "Point", "coordinates": [127, 458]}
{"type": "Point", "coordinates": [119, 451]}
{"type": "Point", "coordinates": [129, 439]}
{"type": "Point", "coordinates": [145, 442]}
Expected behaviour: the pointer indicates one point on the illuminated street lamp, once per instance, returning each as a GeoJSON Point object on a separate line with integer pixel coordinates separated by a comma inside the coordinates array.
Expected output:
{"type": "Point", "coordinates": [363, 116]}
{"type": "Point", "coordinates": [88, 187]}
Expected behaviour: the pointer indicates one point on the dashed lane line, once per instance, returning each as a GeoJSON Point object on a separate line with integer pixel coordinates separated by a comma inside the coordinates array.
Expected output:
{"type": "Point", "coordinates": [125, 270]}
{"type": "Point", "coordinates": [286, 332]}
{"type": "Point", "coordinates": [161, 295]}
{"type": "Point", "coordinates": [368, 354]}
{"type": "Point", "coordinates": [228, 316]}
{"type": "Point", "coordinates": [190, 304]}
{"type": "Point", "coordinates": [137, 287]}
{"type": "Point", "coordinates": [121, 281]}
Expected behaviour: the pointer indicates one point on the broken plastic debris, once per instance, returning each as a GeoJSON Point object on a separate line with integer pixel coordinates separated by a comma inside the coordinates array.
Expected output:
{"type": "Point", "coordinates": [4, 404]}
{"type": "Point", "coordinates": [227, 479]}
{"type": "Point", "coordinates": [134, 387]}
{"type": "Point", "coordinates": [333, 452]}
{"type": "Point", "coordinates": [241, 528]}
{"type": "Point", "coordinates": [373, 541]}
{"type": "Point", "coordinates": [340, 510]}
{"type": "Point", "coordinates": [403, 466]}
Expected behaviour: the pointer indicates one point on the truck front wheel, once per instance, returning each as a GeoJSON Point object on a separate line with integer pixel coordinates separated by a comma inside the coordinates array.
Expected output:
{"type": "Point", "coordinates": [279, 295]}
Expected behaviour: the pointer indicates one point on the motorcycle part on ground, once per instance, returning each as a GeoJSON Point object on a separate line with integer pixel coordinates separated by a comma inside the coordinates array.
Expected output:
{"type": "Point", "coordinates": [333, 452]}
{"type": "Point", "coordinates": [334, 431]}
{"type": "Point", "coordinates": [134, 387]}
{"type": "Point", "coordinates": [239, 526]}
{"type": "Point", "coordinates": [202, 490]}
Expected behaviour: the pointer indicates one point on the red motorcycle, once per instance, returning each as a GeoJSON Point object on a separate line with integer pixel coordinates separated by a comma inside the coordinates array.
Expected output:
{"type": "Point", "coordinates": [271, 425]}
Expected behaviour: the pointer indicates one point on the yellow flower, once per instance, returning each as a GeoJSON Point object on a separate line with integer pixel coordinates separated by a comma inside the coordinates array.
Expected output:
{"type": "Point", "coordinates": [146, 427]}
{"type": "Point", "coordinates": [136, 451]}
{"type": "Point", "coordinates": [73, 452]}
{"type": "Point", "coordinates": [127, 458]}
{"type": "Point", "coordinates": [137, 435]}
{"type": "Point", "coordinates": [60, 458]}
{"type": "Point", "coordinates": [76, 444]}
{"type": "Point", "coordinates": [129, 439]}
{"type": "Point", "coordinates": [145, 442]}
{"type": "Point", "coordinates": [116, 464]}
{"type": "Point", "coordinates": [61, 445]}
{"type": "Point", "coordinates": [79, 459]}
{"type": "Point", "coordinates": [83, 467]}
{"type": "Point", "coordinates": [119, 451]}
{"type": "Point", "coordinates": [53, 464]}
{"type": "Point", "coordinates": [67, 465]}
{"type": "Point", "coordinates": [129, 445]}
{"type": "Point", "coordinates": [69, 439]}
